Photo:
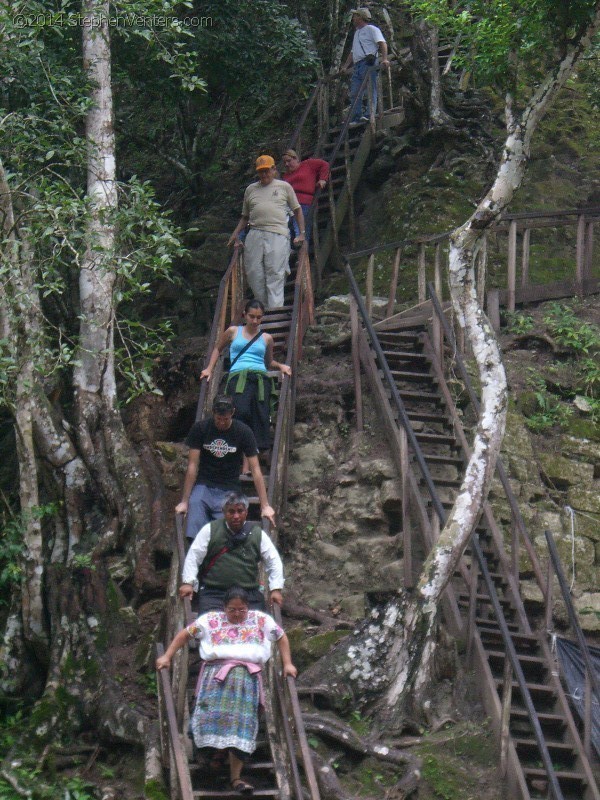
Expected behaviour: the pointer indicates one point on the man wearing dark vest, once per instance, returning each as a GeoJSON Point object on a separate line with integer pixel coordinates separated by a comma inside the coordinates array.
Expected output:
{"type": "Point", "coordinates": [227, 552]}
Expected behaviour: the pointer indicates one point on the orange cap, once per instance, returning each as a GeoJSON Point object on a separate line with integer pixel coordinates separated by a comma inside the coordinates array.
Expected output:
{"type": "Point", "coordinates": [264, 162]}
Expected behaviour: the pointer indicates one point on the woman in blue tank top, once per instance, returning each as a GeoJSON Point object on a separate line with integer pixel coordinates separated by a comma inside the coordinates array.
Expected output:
{"type": "Point", "coordinates": [248, 383]}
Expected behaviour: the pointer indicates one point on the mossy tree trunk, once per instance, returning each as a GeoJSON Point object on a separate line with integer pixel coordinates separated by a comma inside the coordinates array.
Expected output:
{"type": "Point", "coordinates": [75, 456]}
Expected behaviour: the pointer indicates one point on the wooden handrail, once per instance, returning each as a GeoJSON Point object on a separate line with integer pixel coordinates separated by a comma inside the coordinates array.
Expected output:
{"type": "Point", "coordinates": [396, 399]}
{"type": "Point", "coordinates": [180, 546]}
{"type": "Point", "coordinates": [309, 104]}
{"type": "Point", "coordinates": [592, 682]}
{"type": "Point", "coordinates": [517, 671]}
{"type": "Point", "coordinates": [216, 325]}
{"type": "Point", "coordinates": [168, 707]}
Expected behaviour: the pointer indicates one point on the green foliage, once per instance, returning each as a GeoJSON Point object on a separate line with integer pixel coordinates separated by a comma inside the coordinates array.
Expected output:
{"type": "Point", "coordinates": [505, 42]}
{"type": "Point", "coordinates": [43, 100]}
{"type": "Point", "coordinates": [15, 733]}
{"type": "Point", "coordinates": [148, 681]}
{"type": "Point", "coordinates": [257, 63]}
{"type": "Point", "coordinates": [12, 547]}
{"type": "Point", "coordinates": [570, 332]}
{"type": "Point", "coordinates": [517, 322]}
{"type": "Point", "coordinates": [549, 410]}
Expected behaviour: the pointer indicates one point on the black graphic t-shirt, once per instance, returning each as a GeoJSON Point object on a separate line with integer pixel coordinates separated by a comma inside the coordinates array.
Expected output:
{"type": "Point", "coordinates": [221, 452]}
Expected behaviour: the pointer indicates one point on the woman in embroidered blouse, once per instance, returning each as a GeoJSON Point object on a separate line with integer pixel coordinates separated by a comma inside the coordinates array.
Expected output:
{"type": "Point", "coordinates": [234, 644]}
{"type": "Point", "coordinates": [248, 383]}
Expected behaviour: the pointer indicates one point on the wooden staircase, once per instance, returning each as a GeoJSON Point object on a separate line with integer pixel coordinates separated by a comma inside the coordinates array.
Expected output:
{"type": "Point", "coordinates": [274, 769]}
{"type": "Point", "coordinates": [482, 605]}
{"type": "Point", "coordinates": [335, 204]}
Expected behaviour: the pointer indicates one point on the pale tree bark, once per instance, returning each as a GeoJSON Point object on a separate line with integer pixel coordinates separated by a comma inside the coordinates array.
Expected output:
{"type": "Point", "coordinates": [425, 50]}
{"type": "Point", "coordinates": [394, 650]}
{"type": "Point", "coordinates": [91, 468]}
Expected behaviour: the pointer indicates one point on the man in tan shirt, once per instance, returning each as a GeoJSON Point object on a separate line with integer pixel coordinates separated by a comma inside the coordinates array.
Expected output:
{"type": "Point", "coordinates": [265, 209]}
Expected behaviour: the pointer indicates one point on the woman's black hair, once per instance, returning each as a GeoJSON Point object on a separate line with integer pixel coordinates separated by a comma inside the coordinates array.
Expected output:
{"type": "Point", "coordinates": [236, 593]}
{"type": "Point", "coordinates": [254, 304]}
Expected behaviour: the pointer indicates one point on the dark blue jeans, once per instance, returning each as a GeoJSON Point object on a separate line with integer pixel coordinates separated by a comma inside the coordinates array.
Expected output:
{"type": "Point", "coordinates": [307, 214]}
{"type": "Point", "coordinates": [362, 106]}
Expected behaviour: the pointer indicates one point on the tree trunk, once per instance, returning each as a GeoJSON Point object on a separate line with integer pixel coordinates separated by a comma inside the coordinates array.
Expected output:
{"type": "Point", "coordinates": [102, 494]}
{"type": "Point", "coordinates": [425, 51]}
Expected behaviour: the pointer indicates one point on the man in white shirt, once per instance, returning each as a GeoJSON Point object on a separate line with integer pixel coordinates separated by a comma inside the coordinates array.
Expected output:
{"type": "Point", "coordinates": [227, 552]}
{"type": "Point", "coordinates": [368, 43]}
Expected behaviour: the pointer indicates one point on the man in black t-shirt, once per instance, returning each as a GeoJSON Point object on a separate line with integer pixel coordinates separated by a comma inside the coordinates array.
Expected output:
{"type": "Point", "coordinates": [217, 449]}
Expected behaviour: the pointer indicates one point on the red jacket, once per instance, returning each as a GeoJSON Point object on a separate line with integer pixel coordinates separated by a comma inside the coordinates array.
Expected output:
{"type": "Point", "coordinates": [304, 179]}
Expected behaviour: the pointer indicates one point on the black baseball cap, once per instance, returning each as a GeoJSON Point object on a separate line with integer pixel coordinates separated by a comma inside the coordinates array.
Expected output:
{"type": "Point", "coordinates": [223, 404]}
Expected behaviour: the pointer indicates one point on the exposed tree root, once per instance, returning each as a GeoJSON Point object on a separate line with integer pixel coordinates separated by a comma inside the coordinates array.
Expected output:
{"type": "Point", "coordinates": [292, 607]}
{"type": "Point", "coordinates": [542, 338]}
{"type": "Point", "coordinates": [343, 734]}
{"type": "Point", "coordinates": [330, 787]}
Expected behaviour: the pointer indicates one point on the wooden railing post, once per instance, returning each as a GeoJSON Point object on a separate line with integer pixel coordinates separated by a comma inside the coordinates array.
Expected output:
{"type": "Point", "coordinates": [370, 97]}
{"type": "Point", "coordinates": [356, 365]}
{"type": "Point", "coordinates": [470, 632]}
{"type": "Point", "coordinates": [515, 545]}
{"type": "Point", "coordinates": [587, 723]}
{"type": "Point", "coordinates": [493, 308]}
{"type": "Point", "coordinates": [437, 272]}
{"type": "Point", "coordinates": [369, 291]}
{"type": "Point", "coordinates": [333, 217]}
{"type": "Point", "coordinates": [350, 190]}
{"type": "Point", "coordinates": [589, 250]}
{"type": "Point", "coordinates": [580, 255]}
{"type": "Point", "coordinates": [549, 597]}
{"type": "Point", "coordinates": [393, 283]}
{"type": "Point", "coordinates": [525, 258]}
{"type": "Point", "coordinates": [505, 715]}
{"type": "Point", "coordinates": [421, 277]}
{"type": "Point", "coordinates": [512, 263]}
{"type": "Point", "coordinates": [406, 532]}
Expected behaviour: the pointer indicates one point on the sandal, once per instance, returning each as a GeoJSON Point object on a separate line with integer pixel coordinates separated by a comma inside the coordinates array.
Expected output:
{"type": "Point", "coordinates": [241, 786]}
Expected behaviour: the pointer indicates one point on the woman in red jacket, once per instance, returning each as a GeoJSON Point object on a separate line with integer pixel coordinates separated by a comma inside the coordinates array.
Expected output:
{"type": "Point", "coordinates": [304, 177]}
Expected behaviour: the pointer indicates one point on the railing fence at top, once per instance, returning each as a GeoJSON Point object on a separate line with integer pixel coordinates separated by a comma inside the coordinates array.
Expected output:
{"type": "Point", "coordinates": [519, 261]}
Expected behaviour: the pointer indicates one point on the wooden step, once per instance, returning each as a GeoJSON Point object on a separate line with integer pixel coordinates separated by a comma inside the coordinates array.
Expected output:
{"type": "Point", "coordinates": [550, 722]}
{"type": "Point", "coordinates": [559, 751]}
{"type": "Point", "coordinates": [486, 600]}
{"type": "Point", "coordinates": [519, 639]}
{"type": "Point", "coordinates": [426, 397]}
{"type": "Point", "coordinates": [529, 664]}
{"type": "Point", "coordinates": [230, 794]}
{"type": "Point", "coordinates": [539, 692]}
{"type": "Point", "coordinates": [404, 355]}
{"type": "Point", "coordinates": [412, 377]}
{"type": "Point", "coordinates": [433, 418]}
{"type": "Point", "coordinates": [394, 337]}
{"type": "Point", "coordinates": [566, 778]}
{"type": "Point", "coordinates": [436, 438]}
{"type": "Point", "coordinates": [444, 483]}
{"type": "Point", "coordinates": [484, 622]}
{"type": "Point", "coordinates": [453, 461]}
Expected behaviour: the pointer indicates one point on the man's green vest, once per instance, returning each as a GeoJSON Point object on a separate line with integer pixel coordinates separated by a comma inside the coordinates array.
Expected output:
{"type": "Point", "coordinates": [236, 567]}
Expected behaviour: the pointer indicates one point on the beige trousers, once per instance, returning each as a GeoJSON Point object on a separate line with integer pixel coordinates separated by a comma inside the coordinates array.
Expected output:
{"type": "Point", "coordinates": [266, 261]}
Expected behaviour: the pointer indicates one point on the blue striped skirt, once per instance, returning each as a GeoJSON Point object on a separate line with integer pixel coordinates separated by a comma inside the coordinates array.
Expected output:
{"type": "Point", "coordinates": [226, 713]}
